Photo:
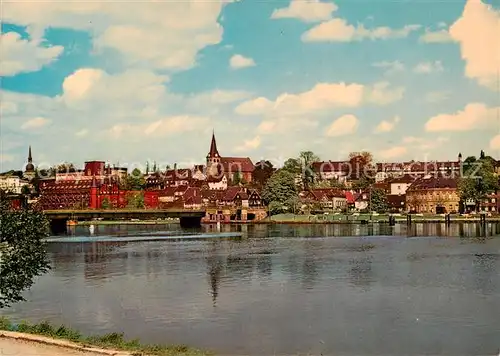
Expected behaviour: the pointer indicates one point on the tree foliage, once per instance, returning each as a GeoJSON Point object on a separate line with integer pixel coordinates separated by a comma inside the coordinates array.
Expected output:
{"type": "Point", "coordinates": [262, 172]}
{"type": "Point", "coordinates": [361, 165]}
{"type": "Point", "coordinates": [23, 253]}
{"type": "Point", "coordinates": [301, 167]}
{"type": "Point", "coordinates": [105, 204]}
{"type": "Point", "coordinates": [135, 200]}
{"type": "Point", "coordinates": [65, 167]}
{"type": "Point", "coordinates": [478, 179]}
{"type": "Point", "coordinates": [25, 189]}
{"type": "Point", "coordinates": [134, 181]}
{"type": "Point", "coordinates": [280, 189]}
{"type": "Point", "coordinates": [378, 201]}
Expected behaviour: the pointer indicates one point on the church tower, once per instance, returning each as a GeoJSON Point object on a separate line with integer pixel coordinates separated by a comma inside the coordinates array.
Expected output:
{"type": "Point", "coordinates": [29, 172]}
{"type": "Point", "coordinates": [213, 158]}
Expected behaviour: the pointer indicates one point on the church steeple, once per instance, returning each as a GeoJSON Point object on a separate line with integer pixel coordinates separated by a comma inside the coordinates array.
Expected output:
{"type": "Point", "coordinates": [213, 147]}
{"type": "Point", "coordinates": [213, 158]}
{"type": "Point", "coordinates": [30, 167]}
{"type": "Point", "coordinates": [29, 170]}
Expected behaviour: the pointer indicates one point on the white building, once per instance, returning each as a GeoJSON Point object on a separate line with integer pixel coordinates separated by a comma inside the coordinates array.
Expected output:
{"type": "Point", "coordinates": [12, 184]}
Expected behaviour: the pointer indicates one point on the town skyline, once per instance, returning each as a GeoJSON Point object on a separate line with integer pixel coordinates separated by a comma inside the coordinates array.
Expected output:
{"type": "Point", "coordinates": [417, 86]}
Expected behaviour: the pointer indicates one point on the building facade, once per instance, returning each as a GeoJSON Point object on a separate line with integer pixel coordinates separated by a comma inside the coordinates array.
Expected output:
{"type": "Point", "coordinates": [433, 195]}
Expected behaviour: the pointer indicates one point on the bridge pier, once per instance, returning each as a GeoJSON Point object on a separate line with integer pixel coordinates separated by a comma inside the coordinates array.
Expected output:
{"type": "Point", "coordinates": [190, 221]}
{"type": "Point", "coordinates": [58, 226]}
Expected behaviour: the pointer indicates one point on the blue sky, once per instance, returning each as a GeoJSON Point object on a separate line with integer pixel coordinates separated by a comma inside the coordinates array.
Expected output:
{"type": "Point", "coordinates": [130, 82]}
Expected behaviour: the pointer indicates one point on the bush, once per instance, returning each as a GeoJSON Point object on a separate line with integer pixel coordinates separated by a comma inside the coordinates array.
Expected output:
{"type": "Point", "coordinates": [23, 254]}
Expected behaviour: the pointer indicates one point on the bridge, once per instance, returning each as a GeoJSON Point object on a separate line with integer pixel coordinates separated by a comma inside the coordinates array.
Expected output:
{"type": "Point", "coordinates": [187, 218]}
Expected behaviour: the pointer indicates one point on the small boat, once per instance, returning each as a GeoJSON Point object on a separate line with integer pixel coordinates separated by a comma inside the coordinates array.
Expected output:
{"type": "Point", "coordinates": [72, 223]}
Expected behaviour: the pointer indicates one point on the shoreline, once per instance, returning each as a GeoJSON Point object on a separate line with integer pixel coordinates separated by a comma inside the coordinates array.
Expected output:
{"type": "Point", "coordinates": [299, 221]}
{"type": "Point", "coordinates": [64, 338]}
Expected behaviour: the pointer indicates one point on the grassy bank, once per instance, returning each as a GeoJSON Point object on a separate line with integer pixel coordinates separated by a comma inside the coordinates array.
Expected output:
{"type": "Point", "coordinates": [113, 341]}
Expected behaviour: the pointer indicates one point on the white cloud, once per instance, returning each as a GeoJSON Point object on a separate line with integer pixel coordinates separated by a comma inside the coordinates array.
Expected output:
{"type": "Point", "coordinates": [495, 143]}
{"type": "Point", "coordinates": [412, 139]}
{"type": "Point", "coordinates": [82, 133]}
{"type": "Point", "coordinates": [393, 152]}
{"type": "Point", "coordinates": [322, 97]}
{"type": "Point", "coordinates": [437, 96]}
{"type": "Point", "coordinates": [477, 33]}
{"type": "Point", "coordinates": [440, 36]}
{"type": "Point", "coordinates": [123, 116]}
{"type": "Point", "coordinates": [338, 30]}
{"type": "Point", "coordinates": [473, 116]}
{"type": "Point", "coordinates": [428, 67]}
{"type": "Point", "coordinates": [390, 67]}
{"type": "Point", "coordinates": [249, 145]}
{"type": "Point", "coordinates": [238, 61]}
{"type": "Point", "coordinates": [387, 125]}
{"type": "Point", "coordinates": [161, 34]}
{"type": "Point", "coordinates": [160, 128]}
{"type": "Point", "coordinates": [307, 11]}
{"type": "Point", "coordinates": [22, 55]}
{"type": "Point", "coordinates": [382, 94]}
{"type": "Point", "coordinates": [286, 125]}
{"type": "Point", "coordinates": [35, 123]}
{"type": "Point", "coordinates": [344, 125]}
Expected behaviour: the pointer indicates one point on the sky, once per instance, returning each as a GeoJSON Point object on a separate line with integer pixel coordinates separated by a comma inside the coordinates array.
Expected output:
{"type": "Point", "coordinates": [130, 82]}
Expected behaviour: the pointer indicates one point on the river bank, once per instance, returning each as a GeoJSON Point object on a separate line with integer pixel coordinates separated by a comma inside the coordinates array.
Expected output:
{"type": "Point", "coordinates": [313, 219]}
{"type": "Point", "coordinates": [45, 339]}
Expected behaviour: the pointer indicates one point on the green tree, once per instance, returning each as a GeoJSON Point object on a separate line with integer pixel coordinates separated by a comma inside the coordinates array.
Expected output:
{"type": "Point", "coordinates": [23, 254]}
{"type": "Point", "coordinates": [237, 178]}
{"type": "Point", "coordinates": [361, 165]}
{"type": "Point", "coordinates": [378, 201]}
{"type": "Point", "coordinates": [293, 204]}
{"type": "Point", "coordinates": [135, 180]}
{"type": "Point", "coordinates": [478, 180]}
{"type": "Point", "coordinates": [337, 184]}
{"type": "Point", "coordinates": [25, 190]}
{"type": "Point", "coordinates": [105, 204]}
{"type": "Point", "coordinates": [276, 208]}
{"type": "Point", "coordinates": [280, 188]}
{"type": "Point", "coordinates": [262, 172]}
{"type": "Point", "coordinates": [363, 183]}
{"type": "Point", "coordinates": [293, 166]}
{"type": "Point", "coordinates": [135, 201]}
{"type": "Point", "coordinates": [307, 158]}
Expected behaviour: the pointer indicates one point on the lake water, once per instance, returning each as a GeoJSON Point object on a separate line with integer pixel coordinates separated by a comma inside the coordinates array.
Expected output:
{"type": "Point", "coordinates": [283, 289]}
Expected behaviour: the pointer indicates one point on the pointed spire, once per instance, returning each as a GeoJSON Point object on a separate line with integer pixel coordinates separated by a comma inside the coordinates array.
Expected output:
{"type": "Point", "coordinates": [30, 159]}
{"type": "Point", "coordinates": [213, 147]}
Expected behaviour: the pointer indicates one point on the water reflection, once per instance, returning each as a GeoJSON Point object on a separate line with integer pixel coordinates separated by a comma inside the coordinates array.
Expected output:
{"type": "Point", "coordinates": [283, 289]}
{"type": "Point", "coordinates": [306, 230]}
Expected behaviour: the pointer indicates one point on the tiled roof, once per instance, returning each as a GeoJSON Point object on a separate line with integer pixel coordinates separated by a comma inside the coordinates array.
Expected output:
{"type": "Point", "coordinates": [235, 164]}
{"type": "Point", "coordinates": [433, 182]}
{"type": "Point", "coordinates": [192, 196]}
{"type": "Point", "coordinates": [232, 192]}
